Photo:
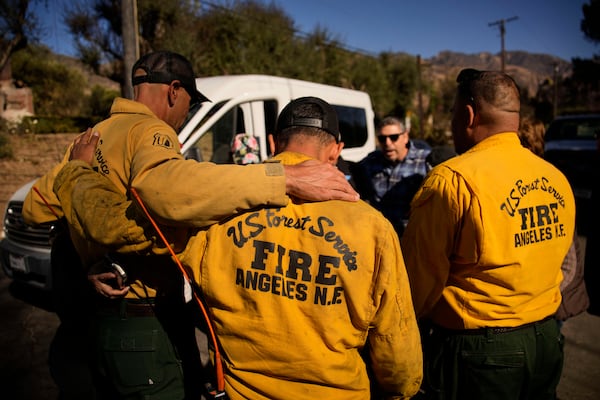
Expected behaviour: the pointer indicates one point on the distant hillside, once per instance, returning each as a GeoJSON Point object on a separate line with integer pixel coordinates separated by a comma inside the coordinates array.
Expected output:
{"type": "Point", "coordinates": [528, 69]}
{"type": "Point", "coordinates": [92, 78]}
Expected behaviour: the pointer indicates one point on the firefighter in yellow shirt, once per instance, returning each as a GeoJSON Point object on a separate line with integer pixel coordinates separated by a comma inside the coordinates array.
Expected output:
{"type": "Point", "coordinates": [140, 149]}
{"type": "Point", "coordinates": [486, 237]}
{"type": "Point", "coordinates": [298, 293]}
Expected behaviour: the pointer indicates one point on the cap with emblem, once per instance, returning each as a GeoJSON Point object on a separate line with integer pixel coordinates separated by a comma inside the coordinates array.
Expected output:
{"type": "Point", "coordinates": [301, 112]}
{"type": "Point", "coordinates": [166, 67]}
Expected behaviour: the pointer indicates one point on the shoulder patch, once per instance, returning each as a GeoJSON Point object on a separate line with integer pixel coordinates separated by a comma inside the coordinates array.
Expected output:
{"type": "Point", "coordinates": [162, 140]}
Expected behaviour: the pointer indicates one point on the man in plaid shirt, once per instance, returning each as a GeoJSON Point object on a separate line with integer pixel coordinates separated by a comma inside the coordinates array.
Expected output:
{"type": "Point", "coordinates": [389, 177]}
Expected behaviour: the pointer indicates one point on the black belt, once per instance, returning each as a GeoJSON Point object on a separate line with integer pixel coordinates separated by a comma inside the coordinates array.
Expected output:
{"type": "Point", "coordinates": [495, 330]}
{"type": "Point", "coordinates": [132, 308]}
{"type": "Point", "coordinates": [139, 309]}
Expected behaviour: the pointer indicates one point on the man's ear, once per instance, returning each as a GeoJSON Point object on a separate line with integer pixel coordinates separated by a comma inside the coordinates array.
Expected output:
{"type": "Point", "coordinates": [173, 92]}
{"type": "Point", "coordinates": [334, 152]}
{"type": "Point", "coordinates": [471, 115]}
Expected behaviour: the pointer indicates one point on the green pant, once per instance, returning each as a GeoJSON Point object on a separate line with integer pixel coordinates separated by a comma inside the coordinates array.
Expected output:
{"type": "Point", "coordinates": [516, 365]}
{"type": "Point", "coordinates": [136, 356]}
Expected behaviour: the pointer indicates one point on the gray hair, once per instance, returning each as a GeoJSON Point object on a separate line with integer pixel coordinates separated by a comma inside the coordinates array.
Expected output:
{"type": "Point", "coordinates": [391, 121]}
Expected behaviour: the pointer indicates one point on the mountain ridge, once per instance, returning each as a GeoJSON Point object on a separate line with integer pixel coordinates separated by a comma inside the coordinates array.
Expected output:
{"type": "Point", "coordinates": [527, 69]}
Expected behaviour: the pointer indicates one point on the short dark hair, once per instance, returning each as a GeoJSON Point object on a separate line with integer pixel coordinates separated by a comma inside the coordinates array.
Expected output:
{"type": "Point", "coordinates": [391, 120]}
{"type": "Point", "coordinates": [493, 87]}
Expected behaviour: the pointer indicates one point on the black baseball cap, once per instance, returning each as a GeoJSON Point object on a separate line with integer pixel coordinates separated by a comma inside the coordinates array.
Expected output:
{"type": "Point", "coordinates": [292, 116]}
{"type": "Point", "coordinates": [166, 67]}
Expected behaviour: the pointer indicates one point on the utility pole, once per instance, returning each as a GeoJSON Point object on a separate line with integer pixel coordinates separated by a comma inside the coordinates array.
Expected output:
{"type": "Point", "coordinates": [501, 23]}
{"type": "Point", "coordinates": [420, 110]}
{"type": "Point", "coordinates": [131, 51]}
{"type": "Point", "coordinates": [555, 102]}
{"type": "Point", "coordinates": [420, 97]}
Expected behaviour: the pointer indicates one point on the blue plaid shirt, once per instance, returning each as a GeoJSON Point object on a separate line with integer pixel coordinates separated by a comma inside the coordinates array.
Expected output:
{"type": "Point", "coordinates": [389, 186]}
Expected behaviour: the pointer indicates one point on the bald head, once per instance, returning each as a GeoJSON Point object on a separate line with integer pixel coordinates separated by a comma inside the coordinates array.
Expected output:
{"type": "Point", "coordinates": [486, 103]}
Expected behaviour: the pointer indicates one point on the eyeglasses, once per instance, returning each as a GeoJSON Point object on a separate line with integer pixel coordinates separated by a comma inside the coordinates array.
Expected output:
{"type": "Point", "coordinates": [393, 137]}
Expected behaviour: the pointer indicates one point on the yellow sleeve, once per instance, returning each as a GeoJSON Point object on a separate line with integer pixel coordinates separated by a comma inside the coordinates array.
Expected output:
{"type": "Point", "coordinates": [199, 194]}
{"type": "Point", "coordinates": [428, 241]}
{"type": "Point", "coordinates": [394, 339]}
{"type": "Point", "coordinates": [41, 204]}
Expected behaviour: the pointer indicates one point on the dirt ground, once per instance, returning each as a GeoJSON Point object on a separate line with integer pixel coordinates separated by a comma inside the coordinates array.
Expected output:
{"type": "Point", "coordinates": [27, 323]}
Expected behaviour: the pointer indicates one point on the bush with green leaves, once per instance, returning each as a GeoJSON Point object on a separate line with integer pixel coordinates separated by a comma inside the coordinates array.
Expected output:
{"type": "Point", "coordinates": [63, 100]}
{"type": "Point", "coordinates": [57, 89]}
{"type": "Point", "coordinates": [99, 102]}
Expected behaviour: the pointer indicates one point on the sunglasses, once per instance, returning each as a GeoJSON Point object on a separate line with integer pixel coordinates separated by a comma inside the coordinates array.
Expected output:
{"type": "Point", "coordinates": [393, 137]}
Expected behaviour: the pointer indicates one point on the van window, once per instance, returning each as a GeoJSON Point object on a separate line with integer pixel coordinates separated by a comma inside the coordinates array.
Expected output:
{"type": "Point", "coordinates": [353, 125]}
{"type": "Point", "coordinates": [270, 110]}
{"type": "Point", "coordinates": [215, 144]}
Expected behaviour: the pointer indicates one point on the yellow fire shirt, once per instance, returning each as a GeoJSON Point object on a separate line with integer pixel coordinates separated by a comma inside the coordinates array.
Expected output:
{"type": "Point", "coordinates": [487, 234]}
{"type": "Point", "coordinates": [296, 292]}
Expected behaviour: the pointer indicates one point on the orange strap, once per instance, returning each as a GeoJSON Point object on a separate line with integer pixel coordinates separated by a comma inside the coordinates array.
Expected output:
{"type": "Point", "coordinates": [46, 202]}
{"type": "Point", "coordinates": [218, 363]}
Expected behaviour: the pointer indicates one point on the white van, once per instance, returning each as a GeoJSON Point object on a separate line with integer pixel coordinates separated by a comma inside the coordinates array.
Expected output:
{"type": "Point", "coordinates": [239, 104]}
{"type": "Point", "coordinates": [250, 104]}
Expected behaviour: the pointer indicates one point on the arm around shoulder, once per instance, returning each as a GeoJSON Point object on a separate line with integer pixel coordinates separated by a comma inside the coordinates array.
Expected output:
{"type": "Point", "coordinates": [198, 194]}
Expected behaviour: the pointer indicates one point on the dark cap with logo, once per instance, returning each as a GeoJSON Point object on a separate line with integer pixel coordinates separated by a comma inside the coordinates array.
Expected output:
{"type": "Point", "coordinates": [311, 112]}
{"type": "Point", "coordinates": [166, 67]}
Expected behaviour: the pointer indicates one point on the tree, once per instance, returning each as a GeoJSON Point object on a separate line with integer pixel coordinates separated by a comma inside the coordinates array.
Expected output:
{"type": "Point", "coordinates": [581, 91]}
{"type": "Point", "coordinates": [442, 98]}
{"type": "Point", "coordinates": [246, 37]}
{"type": "Point", "coordinates": [18, 26]}
{"type": "Point", "coordinates": [590, 25]}
{"type": "Point", "coordinates": [242, 37]}
{"type": "Point", "coordinates": [400, 82]}
{"type": "Point", "coordinates": [48, 79]}
{"type": "Point", "coordinates": [584, 93]}
{"type": "Point", "coordinates": [97, 31]}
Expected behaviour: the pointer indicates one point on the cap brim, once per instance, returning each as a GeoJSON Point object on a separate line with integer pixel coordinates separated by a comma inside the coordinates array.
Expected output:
{"type": "Point", "coordinates": [200, 98]}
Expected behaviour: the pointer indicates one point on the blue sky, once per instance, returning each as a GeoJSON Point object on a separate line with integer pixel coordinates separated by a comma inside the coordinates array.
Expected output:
{"type": "Point", "coordinates": [418, 27]}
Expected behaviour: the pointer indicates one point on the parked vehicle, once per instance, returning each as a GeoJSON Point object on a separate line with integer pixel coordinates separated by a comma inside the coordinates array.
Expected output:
{"type": "Point", "coordinates": [239, 104]}
{"type": "Point", "coordinates": [571, 145]}
{"type": "Point", "coordinates": [25, 249]}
